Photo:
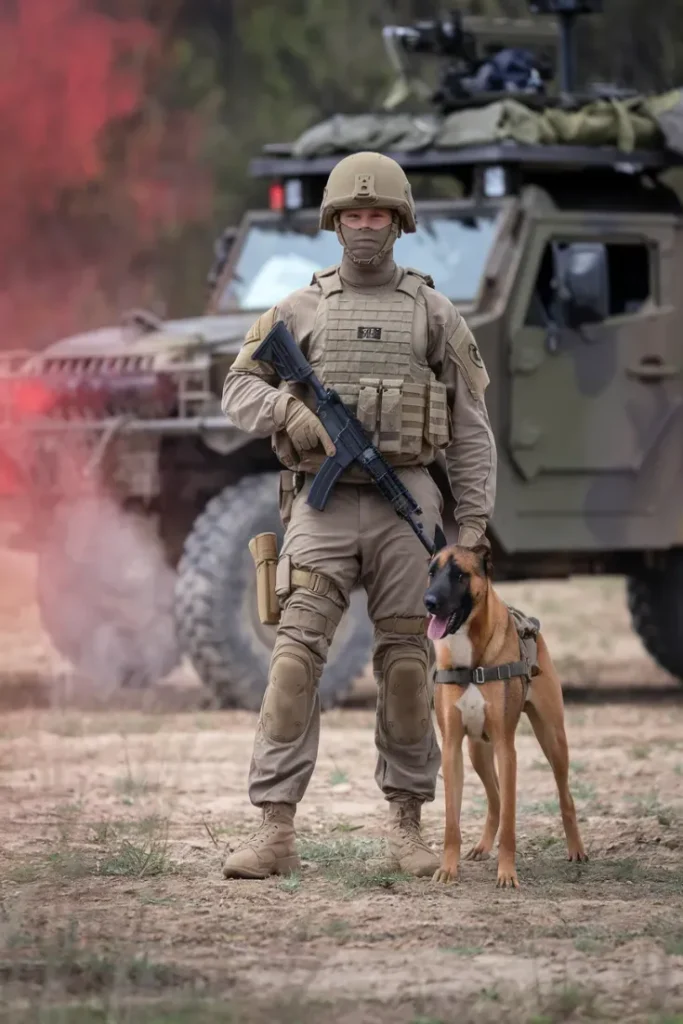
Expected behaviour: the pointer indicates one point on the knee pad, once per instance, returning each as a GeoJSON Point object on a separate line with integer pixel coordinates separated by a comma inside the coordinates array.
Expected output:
{"type": "Point", "coordinates": [288, 699]}
{"type": "Point", "coordinates": [406, 704]}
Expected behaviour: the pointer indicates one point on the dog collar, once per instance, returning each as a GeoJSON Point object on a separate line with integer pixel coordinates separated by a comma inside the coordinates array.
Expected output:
{"type": "Point", "coordinates": [464, 676]}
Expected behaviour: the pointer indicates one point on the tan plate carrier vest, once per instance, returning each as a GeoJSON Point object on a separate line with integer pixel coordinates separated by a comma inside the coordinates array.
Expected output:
{"type": "Point", "coordinates": [366, 347]}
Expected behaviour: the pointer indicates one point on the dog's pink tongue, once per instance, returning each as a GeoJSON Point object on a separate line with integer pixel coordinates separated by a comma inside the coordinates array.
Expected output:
{"type": "Point", "coordinates": [437, 628]}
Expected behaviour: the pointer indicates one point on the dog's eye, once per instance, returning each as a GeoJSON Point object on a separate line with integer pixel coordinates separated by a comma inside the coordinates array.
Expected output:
{"type": "Point", "coordinates": [430, 571]}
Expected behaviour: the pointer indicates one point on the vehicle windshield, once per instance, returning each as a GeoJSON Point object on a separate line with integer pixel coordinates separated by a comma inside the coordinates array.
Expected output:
{"type": "Point", "coordinates": [276, 259]}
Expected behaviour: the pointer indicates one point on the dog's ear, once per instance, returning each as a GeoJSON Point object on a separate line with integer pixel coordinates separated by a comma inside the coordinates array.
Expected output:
{"type": "Point", "coordinates": [483, 551]}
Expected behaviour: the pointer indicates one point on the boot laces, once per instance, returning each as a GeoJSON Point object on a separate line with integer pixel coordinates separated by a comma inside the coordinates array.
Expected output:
{"type": "Point", "coordinates": [267, 830]}
{"type": "Point", "coordinates": [408, 823]}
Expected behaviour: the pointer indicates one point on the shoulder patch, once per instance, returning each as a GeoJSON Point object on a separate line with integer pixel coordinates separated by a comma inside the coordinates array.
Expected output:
{"type": "Point", "coordinates": [264, 324]}
{"type": "Point", "coordinates": [468, 357]}
{"type": "Point", "coordinates": [244, 360]}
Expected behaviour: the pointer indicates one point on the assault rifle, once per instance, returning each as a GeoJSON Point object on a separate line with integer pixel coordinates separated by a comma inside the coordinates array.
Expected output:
{"type": "Point", "coordinates": [350, 440]}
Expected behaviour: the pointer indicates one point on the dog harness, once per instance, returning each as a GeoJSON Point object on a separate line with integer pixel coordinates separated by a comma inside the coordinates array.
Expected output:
{"type": "Point", "coordinates": [465, 676]}
{"type": "Point", "coordinates": [527, 631]}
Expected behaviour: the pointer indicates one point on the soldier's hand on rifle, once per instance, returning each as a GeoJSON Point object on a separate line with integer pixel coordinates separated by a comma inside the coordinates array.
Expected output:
{"type": "Point", "coordinates": [305, 429]}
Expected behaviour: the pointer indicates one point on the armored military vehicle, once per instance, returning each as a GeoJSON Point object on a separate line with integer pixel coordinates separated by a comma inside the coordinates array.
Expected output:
{"type": "Point", "coordinates": [548, 219]}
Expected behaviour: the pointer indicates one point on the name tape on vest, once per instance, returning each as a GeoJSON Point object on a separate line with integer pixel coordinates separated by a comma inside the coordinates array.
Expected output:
{"type": "Point", "coordinates": [369, 333]}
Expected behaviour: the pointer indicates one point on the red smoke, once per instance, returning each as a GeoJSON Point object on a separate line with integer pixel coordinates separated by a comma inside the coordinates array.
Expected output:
{"type": "Point", "coordinates": [92, 170]}
{"type": "Point", "coordinates": [66, 73]}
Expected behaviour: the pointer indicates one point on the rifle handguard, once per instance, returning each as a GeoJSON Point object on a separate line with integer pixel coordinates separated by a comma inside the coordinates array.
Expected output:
{"type": "Point", "coordinates": [263, 548]}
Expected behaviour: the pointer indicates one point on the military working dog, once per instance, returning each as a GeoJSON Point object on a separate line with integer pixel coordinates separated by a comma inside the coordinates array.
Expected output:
{"type": "Point", "coordinates": [482, 684]}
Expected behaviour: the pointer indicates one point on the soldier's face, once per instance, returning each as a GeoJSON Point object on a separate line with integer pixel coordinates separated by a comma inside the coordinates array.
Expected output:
{"type": "Point", "coordinates": [370, 217]}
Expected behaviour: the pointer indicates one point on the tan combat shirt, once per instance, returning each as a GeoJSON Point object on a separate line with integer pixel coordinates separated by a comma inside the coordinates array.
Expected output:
{"type": "Point", "coordinates": [253, 403]}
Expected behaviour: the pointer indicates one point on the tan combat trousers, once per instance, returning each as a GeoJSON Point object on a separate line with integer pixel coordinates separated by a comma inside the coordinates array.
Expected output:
{"type": "Point", "coordinates": [358, 538]}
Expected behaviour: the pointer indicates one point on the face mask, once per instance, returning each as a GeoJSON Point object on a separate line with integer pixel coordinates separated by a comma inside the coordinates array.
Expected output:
{"type": "Point", "coordinates": [366, 247]}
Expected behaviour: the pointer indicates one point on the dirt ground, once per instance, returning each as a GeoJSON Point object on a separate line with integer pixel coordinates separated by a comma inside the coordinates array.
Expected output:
{"type": "Point", "coordinates": [115, 816]}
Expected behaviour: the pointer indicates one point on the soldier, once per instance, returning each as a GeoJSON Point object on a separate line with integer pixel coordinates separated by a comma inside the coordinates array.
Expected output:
{"type": "Point", "coordinates": [404, 360]}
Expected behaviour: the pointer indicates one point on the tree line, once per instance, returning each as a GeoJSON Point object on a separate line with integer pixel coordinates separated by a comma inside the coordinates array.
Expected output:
{"type": "Point", "coordinates": [166, 101]}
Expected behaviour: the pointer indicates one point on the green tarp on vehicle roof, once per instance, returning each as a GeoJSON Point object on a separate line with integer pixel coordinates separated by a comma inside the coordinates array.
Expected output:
{"type": "Point", "coordinates": [641, 122]}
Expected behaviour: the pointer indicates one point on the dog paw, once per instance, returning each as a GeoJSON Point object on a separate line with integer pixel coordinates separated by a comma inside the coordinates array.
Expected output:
{"type": "Point", "coordinates": [445, 875]}
{"type": "Point", "coordinates": [578, 856]}
{"type": "Point", "coordinates": [479, 852]}
{"type": "Point", "coordinates": [507, 880]}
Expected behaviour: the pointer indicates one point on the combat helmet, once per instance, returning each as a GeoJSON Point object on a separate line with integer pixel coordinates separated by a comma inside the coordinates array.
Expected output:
{"type": "Point", "coordinates": [368, 179]}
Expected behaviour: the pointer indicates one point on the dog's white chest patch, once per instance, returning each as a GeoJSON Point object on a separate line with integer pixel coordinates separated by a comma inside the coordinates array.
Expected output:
{"type": "Point", "coordinates": [461, 648]}
{"type": "Point", "coordinates": [471, 705]}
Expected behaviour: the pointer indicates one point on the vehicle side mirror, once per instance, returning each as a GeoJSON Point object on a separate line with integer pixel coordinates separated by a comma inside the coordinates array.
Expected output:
{"type": "Point", "coordinates": [581, 282]}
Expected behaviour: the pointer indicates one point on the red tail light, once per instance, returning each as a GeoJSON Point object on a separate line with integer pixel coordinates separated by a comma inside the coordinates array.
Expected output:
{"type": "Point", "coordinates": [276, 197]}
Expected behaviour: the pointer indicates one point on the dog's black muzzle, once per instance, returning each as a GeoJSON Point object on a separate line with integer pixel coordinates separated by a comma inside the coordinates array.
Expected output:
{"type": "Point", "coordinates": [448, 601]}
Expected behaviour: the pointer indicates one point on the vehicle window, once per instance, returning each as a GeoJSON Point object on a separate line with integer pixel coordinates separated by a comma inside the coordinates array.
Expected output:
{"type": "Point", "coordinates": [628, 281]}
{"type": "Point", "coordinates": [275, 259]}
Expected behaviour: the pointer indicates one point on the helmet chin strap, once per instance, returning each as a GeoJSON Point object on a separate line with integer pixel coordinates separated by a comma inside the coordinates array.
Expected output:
{"type": "Point", "coordinates": [393, 233]}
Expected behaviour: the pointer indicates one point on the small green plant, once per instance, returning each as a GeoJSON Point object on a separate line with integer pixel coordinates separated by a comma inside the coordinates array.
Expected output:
{"type": "Point", "coordinates": [23, 874]}
{"type": "Point", "coordinates": [62, 960]}
{"type": "Point", "coordinates": [328, 852]}
{"type": "Point", "coordinates": [379, 879]}
{"type": "Point", "coordinates": [568, 1002]}
{"type": "Point", "coordinates": [649, 806]}
{"type": "Point", "coordinates": [464, 950]}
{"type": "Point", "coordinates": [136, 860]}
{"type": "Point", "coordinates": [337, 928]}
{"type": "Point", "coordinates": [351, 862]}
{"type": "Point", "coordinates": [587, 944]}
{"type": "Point", "coordinates": [292, 883]}
{"type": "Point", "coordinates": [583, 790]}
{"type": "Point", "coordinates": [551, 806]}
{"type": "Point", "coordinates": [346, 826]}
{"type": "Point", "coordinates": [130, 787]}
{"type": "Point", "coordinates": [104, 832]}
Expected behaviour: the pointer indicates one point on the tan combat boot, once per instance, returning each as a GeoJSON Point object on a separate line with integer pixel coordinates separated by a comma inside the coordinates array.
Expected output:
{"type": "Point", "coordinates": [406, 845]}
{"type": "Point", "coordinates": [271, 850]}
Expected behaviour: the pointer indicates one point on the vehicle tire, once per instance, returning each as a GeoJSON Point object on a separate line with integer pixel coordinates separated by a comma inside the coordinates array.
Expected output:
{"type": "Point", "coordinates": [655, 600]}
{"type": "Point", "coordinates": [216, 610]}
{"type": "Point", "coordinates": [105, 594]}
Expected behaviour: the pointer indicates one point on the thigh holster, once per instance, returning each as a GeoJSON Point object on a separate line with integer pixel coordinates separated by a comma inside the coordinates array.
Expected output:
{"type": "Point", "coordinates": [277, 578]}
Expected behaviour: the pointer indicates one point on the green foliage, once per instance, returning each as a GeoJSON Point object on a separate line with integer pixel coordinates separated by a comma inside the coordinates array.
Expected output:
{"type": "Point", "coordinates": [233, 76]}
{"type": "Point", "coordinates": [287, 65]}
